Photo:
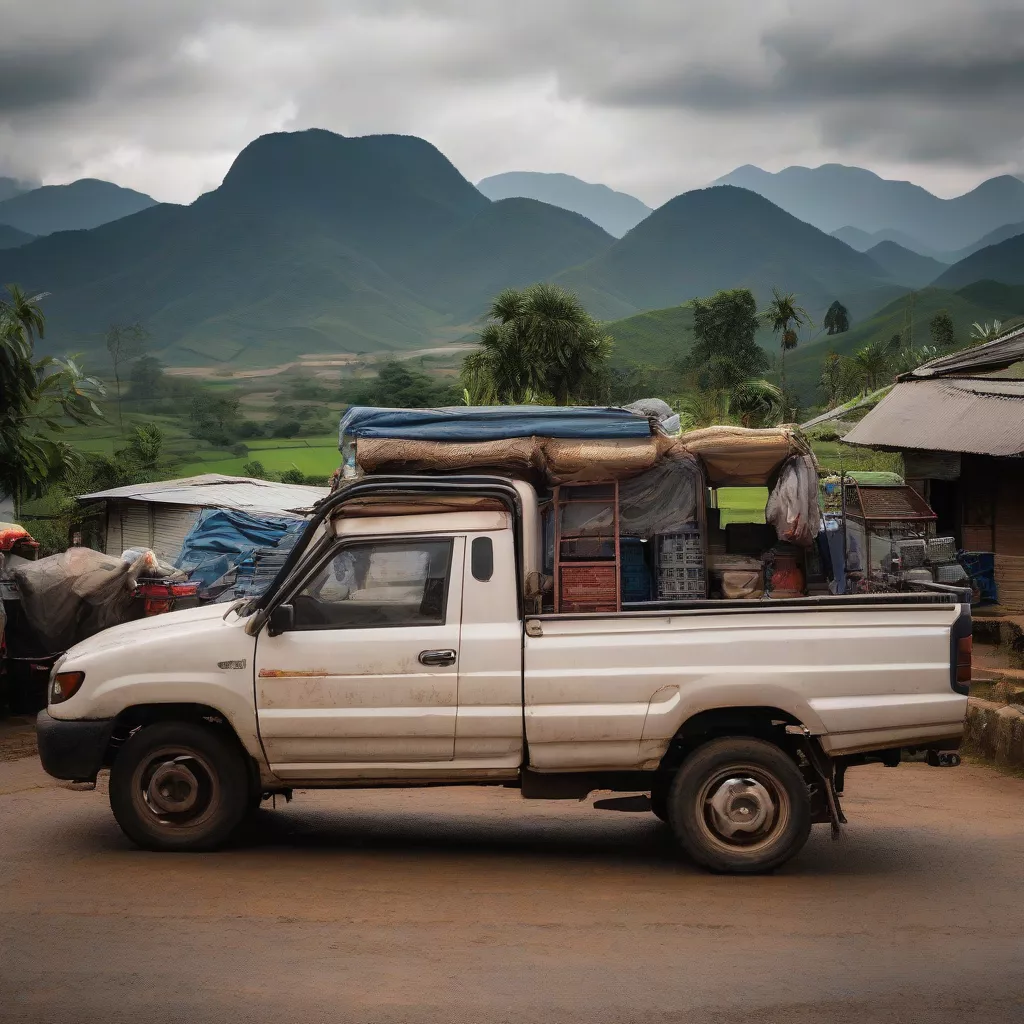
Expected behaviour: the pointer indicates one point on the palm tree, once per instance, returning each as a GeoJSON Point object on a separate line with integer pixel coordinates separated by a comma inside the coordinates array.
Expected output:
{"type": "Point", "coordinates": [749, 403]}
{"type": "Point", "coordinates": [37, 395]}
{"type": "Point", "coordinates": [784, 316]}
{"type": "Point", "coordinates": [980, 333]}
{"type": "Point", "coordinates": [538, 340]}
{"type": "Point", "coordinates": [872, 361]}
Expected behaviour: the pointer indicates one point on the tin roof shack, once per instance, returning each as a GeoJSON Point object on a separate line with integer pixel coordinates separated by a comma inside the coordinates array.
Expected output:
{"type": "Point", "coordinates": [959, 422]}
{"type": "Point", "coordinates": [159, 515]}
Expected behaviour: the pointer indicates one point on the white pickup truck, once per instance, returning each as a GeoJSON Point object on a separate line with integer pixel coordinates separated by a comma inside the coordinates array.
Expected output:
{"type": "Point", "coordinates": [398, 647]}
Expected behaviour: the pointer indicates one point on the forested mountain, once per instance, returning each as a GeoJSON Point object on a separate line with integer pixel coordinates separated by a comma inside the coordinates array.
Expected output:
{"type": "Point", "coordinates": [723, 237]}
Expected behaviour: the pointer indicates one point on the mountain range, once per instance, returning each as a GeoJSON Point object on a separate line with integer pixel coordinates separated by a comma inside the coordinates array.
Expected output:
{"type": "Point", "coordinates": [318, 243]}
{"type": "Point", "coordinates": [83, 204]}
{"type": "Point", "coordinates": [616, 212]}
{"type": "Point", "coordinates": [834, 197]}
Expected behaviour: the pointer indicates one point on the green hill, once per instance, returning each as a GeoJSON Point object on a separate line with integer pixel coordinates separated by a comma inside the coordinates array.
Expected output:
{"type": "Point", "coordinates": [981, 301]}
{"type": "Point", "coordinates": [83, 204]}
{"type": "Point", "coordinates": [722, 237]}
{"type": "Point", "coordinates": [657, 337]}
{"type": "Point", "coordinates": [1003, 262]}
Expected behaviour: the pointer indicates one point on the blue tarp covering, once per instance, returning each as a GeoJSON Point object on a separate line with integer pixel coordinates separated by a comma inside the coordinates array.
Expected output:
{"type": "Point", "coordinates": [491, 423]}
{"type": "Point", "coordinates": [221, 538]}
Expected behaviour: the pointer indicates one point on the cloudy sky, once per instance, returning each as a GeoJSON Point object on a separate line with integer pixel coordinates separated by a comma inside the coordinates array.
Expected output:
{"type": "Point", "coordinates": [650, 96]}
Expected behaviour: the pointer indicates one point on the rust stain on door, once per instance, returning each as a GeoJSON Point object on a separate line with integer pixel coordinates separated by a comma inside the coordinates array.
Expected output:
{"type": "Point", "coordinates": [293, 673]}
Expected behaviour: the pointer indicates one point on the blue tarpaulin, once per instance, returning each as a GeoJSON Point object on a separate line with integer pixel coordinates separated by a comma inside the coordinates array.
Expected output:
{"type": "Point", "coordinates": [221, 538]}
{"type": "Point", "coordinates": [492, 423]}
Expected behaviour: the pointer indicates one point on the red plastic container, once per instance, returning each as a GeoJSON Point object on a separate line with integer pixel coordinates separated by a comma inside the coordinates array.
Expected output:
{"type": "Point", "coordinates": [161, 597]}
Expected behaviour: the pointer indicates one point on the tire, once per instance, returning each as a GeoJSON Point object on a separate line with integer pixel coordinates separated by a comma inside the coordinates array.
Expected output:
{"type": "Point", "coordinates": [739, 805]}
{"type": "Point", "coordinates": [204, 794]}
{"type": "Point", "coordinates": [659, 797]}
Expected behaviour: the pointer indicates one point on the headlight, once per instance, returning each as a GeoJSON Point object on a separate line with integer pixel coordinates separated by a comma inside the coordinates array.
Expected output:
{"type": "Point", "coordinates": [64, 685]}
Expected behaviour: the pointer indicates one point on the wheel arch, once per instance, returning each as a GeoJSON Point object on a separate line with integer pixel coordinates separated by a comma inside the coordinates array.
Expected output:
{"type": "Point", "coordinates": [139, 716]}
{"type": "Point", "coordinates": [759, 721]}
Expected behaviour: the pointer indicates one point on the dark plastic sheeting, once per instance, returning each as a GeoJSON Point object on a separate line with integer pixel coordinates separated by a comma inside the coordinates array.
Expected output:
{"type": "Point", "coordinates": [222, 537]}
{"type": "Point", "coordinates": [490, 423]}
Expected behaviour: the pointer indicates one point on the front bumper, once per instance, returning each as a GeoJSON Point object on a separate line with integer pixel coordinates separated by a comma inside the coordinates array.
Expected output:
{"type": "Point", "coordinates": [73, 750]}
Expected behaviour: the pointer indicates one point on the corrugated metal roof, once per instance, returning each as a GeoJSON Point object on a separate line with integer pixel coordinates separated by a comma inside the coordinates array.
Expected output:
{"type": "Point", "coordinates": [993, 355]}
{"type": "Point", "coordinates": [975, 415]}
{"type": "Point", "coordinates": [214, 490]}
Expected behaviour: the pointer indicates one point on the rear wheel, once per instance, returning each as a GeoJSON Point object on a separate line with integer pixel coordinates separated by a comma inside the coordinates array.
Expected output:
{"type": "Point", "coordinates": [179, 786]}
{"type": "Point", "coordinates": [740, 806]}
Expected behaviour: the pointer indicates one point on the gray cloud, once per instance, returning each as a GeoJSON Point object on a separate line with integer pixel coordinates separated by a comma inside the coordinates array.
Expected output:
{"type": "Point", "coordinates": [653, 96]}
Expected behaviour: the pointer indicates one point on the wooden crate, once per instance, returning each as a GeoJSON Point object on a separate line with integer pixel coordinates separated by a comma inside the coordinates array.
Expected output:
{"type": "Point", "coordinates": [588, 585]}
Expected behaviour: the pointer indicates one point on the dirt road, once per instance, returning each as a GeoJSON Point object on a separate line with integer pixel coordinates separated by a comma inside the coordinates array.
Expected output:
{"type": "Point", "coordinates": [469, 905]}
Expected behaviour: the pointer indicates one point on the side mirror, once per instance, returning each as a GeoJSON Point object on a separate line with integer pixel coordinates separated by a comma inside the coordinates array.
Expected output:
{"type": "Point", "coordinates": [282, 619]}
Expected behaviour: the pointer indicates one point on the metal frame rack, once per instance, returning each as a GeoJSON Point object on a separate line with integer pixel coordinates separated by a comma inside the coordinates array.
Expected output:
{"type": "Point", "coordinates": [588, 581]}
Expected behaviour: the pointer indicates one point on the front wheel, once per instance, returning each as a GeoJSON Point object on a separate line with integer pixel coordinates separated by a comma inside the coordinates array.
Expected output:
{"type": "Point", "coordinates": [178, 786]}
{"type": "Point", "coordinates": [739, 805]}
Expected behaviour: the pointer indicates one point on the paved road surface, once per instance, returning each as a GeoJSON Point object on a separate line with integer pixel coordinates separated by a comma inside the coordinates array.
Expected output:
{"type": "Point", "coordinates": [470, 905]}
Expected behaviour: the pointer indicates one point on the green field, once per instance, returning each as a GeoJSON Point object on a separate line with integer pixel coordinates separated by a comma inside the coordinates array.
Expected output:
{"type": "Point", "coordinates": [742, 504]}
{"type": "Point", "coordinates": [310, 455]}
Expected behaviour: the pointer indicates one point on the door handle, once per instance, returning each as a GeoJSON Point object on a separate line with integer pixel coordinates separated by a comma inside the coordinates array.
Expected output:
{"type": "Point", "coordinates": [446, 657]}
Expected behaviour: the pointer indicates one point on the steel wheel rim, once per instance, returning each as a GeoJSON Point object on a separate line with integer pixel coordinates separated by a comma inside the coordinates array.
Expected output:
{"type": "Point", "coordinates": [176, 788]}
{"type": "Point", "coordinates": [742, 808]}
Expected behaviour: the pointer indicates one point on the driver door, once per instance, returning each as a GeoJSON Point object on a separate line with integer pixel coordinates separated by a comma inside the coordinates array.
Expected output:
{"type": "Point", "coordinates": [368, 675]}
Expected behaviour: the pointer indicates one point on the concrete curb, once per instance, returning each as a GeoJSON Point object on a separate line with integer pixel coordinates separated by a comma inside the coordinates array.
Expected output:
{"type": "Point", "coordinates": [995, 731]}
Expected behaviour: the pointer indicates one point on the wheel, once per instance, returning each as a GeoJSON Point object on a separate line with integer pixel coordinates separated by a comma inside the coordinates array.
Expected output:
{"type": "Point", "coordinates": [740, 806]}
{"type": "Point", "coordinates": [179, 786]}
{"type": "Point", "coordinates": [659, 797]}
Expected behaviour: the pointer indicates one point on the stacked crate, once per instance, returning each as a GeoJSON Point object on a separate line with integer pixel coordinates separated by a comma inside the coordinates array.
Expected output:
{"type": "Point", "coordinates": [681, 572]}
{"type": "Point", "coordinates": [636, 576]}
{"type": "Point", "coordinates": [587, 548]}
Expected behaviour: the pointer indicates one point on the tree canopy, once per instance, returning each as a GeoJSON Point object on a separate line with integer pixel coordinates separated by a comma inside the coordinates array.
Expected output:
{"type": "Point", "coordinates": [942, 331]}
{"type": "Point", "coordinates": [724, 351]}
{"type": "Point", "coordinates": [837, 319]}
{"type": "Point", "coordinates": [37, 397]}
{"type": "Point", "coordinates": [538, 341]}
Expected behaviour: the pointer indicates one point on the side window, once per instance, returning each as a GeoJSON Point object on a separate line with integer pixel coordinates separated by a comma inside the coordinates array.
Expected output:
{"type": "Point", "coordinates": [378, 583]}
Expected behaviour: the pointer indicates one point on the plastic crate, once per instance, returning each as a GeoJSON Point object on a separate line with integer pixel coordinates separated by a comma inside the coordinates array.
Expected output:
{"type": "Point", "coordinates": [681, 573]}
{"type": "Point", "coordinates": [669, 590]}
{"type": "Point", "coordinates": [631, 552]}
{"type": "Point", "coordinates": [912, 553]}
{"type": "Point", "coordinates": [942, 549]}
{"type": "Point", "coordinates": [685, 559]}
{"type": "Point", "coordinates": [636, 587]}
{"type": "Point", "coordinates": [950, 574]}
{"type": "Point", "coordinates": [673, 543]}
